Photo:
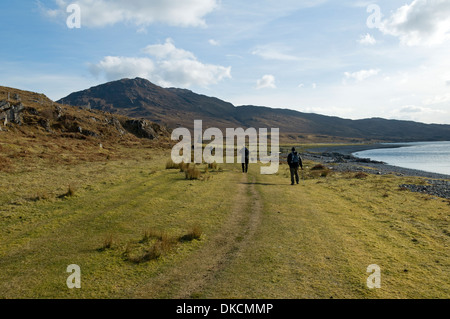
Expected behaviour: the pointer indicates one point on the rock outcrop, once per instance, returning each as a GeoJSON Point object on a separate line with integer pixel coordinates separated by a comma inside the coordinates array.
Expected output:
{"type": "Point", "coordinates": [143, 128]}
{"type": "Point", "coordinates": [11, 112]}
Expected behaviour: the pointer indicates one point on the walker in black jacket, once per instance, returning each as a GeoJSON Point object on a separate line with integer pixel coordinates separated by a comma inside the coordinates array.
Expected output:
{"type": "Point", "coordinates": [245, 153]}
{"type": "Point", "coordinates": [294, 160]}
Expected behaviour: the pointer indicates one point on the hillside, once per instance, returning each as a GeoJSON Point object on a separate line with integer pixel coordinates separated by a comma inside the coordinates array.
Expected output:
{"type": "Point", "coordinates": [140, 98]}
{"type": "Point", "coordinates": [177, 107]}
{"type": "Point", "coordinates": [34, 128]}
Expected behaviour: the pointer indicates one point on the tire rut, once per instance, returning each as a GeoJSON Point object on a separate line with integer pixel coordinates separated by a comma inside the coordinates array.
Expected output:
{"type": "Point", "coordinates": [198, 271]}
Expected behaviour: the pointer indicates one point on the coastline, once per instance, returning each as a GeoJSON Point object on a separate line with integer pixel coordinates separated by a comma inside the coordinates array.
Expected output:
{"type": "Point", "coordinates": [350, 149]}
{"type": "Point", "coordinates": [340, 158]}
{"type": "Point", "coordinates": [342, 155]}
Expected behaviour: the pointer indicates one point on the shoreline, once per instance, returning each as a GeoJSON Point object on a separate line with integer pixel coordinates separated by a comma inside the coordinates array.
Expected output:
{"type": "Point", "coordinates": [350, 149]}
{"type": "Point", "coordinates": [341, 159]}
{"type": "Point", "coordinates": [343, 154]}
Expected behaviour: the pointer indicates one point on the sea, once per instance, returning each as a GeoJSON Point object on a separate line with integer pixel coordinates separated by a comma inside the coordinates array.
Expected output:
{"type": "Point", "coordinates": [431, 157]}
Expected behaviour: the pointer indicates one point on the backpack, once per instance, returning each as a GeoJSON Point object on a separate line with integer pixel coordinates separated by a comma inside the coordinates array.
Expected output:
{"type": "Point", "coordinates": [295, 159]}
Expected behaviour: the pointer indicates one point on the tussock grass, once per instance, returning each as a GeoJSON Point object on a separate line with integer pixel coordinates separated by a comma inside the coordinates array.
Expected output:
{"type": "Point", "coordinates": [192, 173]}
{"type": "Point", "coordinates": [361, 175]}
{"type": "Point", "coordinates": [155, 244]}
{"type": "Point", "coordinates": [162, 246]}
{"type": "Point", "coordinates": [43, 195]}
{"type": "Point", "coordinates": [184, 167]}
{"type": "Point", "coordinates": [195, 233]}
{"type": "Point", "coordinates": [213, 166]}
{"type": "Point", "coordinates": [107, 243]}
{"type": "Point", "coordinates": [70, 192]}
{"type": "Point", "coordinates": [151, 234]}
{"type": "Point", "coordinates": [318, 167]}
{"type": "Point", "coordinates": [6, 165]}
{"type": "Point", "coordinates": [325, 173]}
{"type": "Point", "coordinates": [171, 165]}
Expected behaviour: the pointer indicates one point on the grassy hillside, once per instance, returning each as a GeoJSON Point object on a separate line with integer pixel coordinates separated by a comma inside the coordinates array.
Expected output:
{"type": "Point", "coordinates": [139, 230]}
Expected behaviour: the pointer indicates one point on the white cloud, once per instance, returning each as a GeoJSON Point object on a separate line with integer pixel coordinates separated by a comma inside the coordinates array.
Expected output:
{"type": "Point", "coordinates": [417, 113]}
{"type": "Point", "coordinates": [168, 51]}
{"type": "Point", "coordinates": [213, 42]}
{"type": "Point", "coordinates": [301, 86]}
{"type": "Point", "coordinates": [361, 75]}
{"type": "Point", "coordinates": [438, 99]}
{"type": "Point", "coordinates": [423, 22]}
{"type": "Point", "coordinates": [275, 52]}
{"type": "Point", "coordinates": [267, 81]}
{"type": "Point", "coordinates": [314, 86]}
{"type": "Point", "coordinates": [102, 13]}
{"type": "Point", "coordinates": [115, 68]}
{"type": "Point", "coordinates": [367, 39]}
{"type": "Point", "coordinates": [171, 67]}
{"type": "Point", "coordinates": [142, 30]}
{"type": "Point", "coordinates": [412, 109]}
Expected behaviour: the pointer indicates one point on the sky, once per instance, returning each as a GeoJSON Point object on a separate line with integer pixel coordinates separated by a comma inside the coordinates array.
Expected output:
{"type": "Point", "coordinates": [352, 59]}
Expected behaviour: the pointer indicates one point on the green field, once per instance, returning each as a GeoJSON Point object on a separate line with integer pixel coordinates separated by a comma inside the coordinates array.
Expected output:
{"type": "Point", "coordinates": [139, 230]}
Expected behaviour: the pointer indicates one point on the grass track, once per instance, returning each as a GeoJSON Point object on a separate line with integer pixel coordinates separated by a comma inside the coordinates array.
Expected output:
{"type": "Point", "coordinates": [262, 238]}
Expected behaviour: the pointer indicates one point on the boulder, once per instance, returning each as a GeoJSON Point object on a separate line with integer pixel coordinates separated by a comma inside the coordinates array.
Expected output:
{"type": "Point", "coordinates": [141, 128]}
{"type": "Point", "coordinates": [11, 113]}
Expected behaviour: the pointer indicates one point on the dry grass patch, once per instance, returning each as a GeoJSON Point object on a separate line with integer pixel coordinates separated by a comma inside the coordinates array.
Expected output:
{"type": "Point", "coordinates": [108, 242]}
{"type": "Point", "coordinates": [70, 192]}
{"type": "Point", "coordinates": [171, 165]}
{"type": "Point", "coordinates": [192, 173]}
{"type": "Point", "coordinates": [318, 167]}
{"type": "Point", "coordinates": [195, 233]}
{"type": "Point", "coordinates": [155, 244]}
{"type": "Point", "coordinates": [361, 175]}
{"type": "Point", "coordinates": [6, 165]}
{"type": "Point", "coordinates": [213, 166]}
{"type": "Point", "coordinates": [184, 167]}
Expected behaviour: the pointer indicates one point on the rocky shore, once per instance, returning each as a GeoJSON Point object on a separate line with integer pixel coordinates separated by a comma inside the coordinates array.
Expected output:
{"type": "Point", "coordinates": [340, 158]}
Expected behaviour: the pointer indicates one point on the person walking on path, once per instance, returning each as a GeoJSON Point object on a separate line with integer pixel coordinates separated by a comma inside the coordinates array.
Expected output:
{"type": "Point", "coordinates": [294, 162]}
{"type": "Point", "coordinates": [245, 153]}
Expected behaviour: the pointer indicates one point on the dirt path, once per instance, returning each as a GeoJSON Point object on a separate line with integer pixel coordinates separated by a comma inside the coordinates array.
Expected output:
{"type": "Point", "coordinates": [190, 278]}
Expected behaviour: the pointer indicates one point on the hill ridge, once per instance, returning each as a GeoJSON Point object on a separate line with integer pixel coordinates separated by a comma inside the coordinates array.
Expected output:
{"type": "Point", "coordinates": [176, 107]}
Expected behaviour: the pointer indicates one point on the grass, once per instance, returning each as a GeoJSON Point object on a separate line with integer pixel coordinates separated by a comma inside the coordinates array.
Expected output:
{"type": "Point", "coordinates": [171, 165]}
{"type": "Point", "coordinates": [316, 241]}
{"type": "Point", "coordinates": [192, 173]}
{"type": "Point", "coordinates": [133, 225]}
{"type": "Point", "coordinates": [213, 166]}
{"type": "Point", "coordinates": [161, 244]}
{"type": "Point", "coordinates": [318, 167]}
{"type": "Point", "coordinates": [361, 175]}
{"type": "Point", "coordinates": [123, 197]}
{"type": "Point", "coordinates": [107, 242]}
{"type": "Point", "coordinates": [70, 191]}
{"type": "Point", "coordinates": [194, 234]}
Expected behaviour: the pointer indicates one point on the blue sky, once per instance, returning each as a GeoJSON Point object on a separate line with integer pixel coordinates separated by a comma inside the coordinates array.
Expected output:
{"type": "Point", "coordinates": [334, 57]}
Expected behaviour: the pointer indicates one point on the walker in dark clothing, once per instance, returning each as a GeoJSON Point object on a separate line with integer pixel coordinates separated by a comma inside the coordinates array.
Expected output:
{"type": "Point", "coordinates": [245, 159]}
{"type": "Point", "coordinates": [294, 160]}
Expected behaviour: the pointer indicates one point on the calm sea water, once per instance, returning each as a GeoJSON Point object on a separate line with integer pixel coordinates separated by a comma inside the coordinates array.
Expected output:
{"type": "Point", "coordinates": [427, 156]}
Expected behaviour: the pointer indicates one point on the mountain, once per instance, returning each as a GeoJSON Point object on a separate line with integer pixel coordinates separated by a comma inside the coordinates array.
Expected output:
{"type": "Point", "coordinates": [140, 98]}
